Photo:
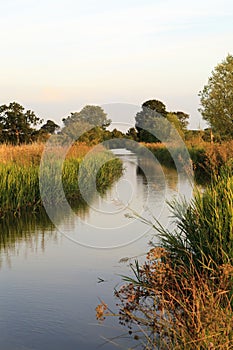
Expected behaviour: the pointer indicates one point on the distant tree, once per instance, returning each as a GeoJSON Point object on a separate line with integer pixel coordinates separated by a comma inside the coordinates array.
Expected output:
{"type": "Point", "coordinates": [155, 105]}
{"type": "Point", "coordinates": [76, 131]}
{"type": "Point", "coordinates": [183, 119]}
{"type": "Point", "coordinates": [16, 125]}
{"type": "Point", "coordinates": [93, 136]}
{"type": "Point", "coordinates": [153, 119]}
{"type": "Point", "coordinates": [173, 119]}
{"type": "Point", "coordinates": [217, 99]}
{"type": "Point", "coordinates": [150, 118]}
{"type": "Point", "coordinates": [132, 134]}
{"type": "Point", "coordinates": [93, 115]}
{"type": "Point", "coordinates": [117, 134]}
{"type": "Point", "coordinates": [89, 125]}
{"type": "Point", "coordinates": [49, 127]}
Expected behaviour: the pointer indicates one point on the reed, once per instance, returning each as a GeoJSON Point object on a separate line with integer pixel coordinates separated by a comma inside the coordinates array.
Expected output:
{"type": "Point", "coordinates": [207, 158]}
{"type": "Point", "coordinates": [205, 229]}
{"type": "Point", "coordinates": [182, 296]}
{"type": "Point", "coordinates": [19, 175]}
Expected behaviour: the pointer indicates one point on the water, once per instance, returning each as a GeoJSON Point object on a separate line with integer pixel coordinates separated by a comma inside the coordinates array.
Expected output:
{"type": "Point", "coordinates": [52, 277]}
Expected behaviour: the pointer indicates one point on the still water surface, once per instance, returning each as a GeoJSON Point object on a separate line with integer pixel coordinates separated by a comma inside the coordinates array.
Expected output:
{"type": "Point", "coordinates": [50, 276]}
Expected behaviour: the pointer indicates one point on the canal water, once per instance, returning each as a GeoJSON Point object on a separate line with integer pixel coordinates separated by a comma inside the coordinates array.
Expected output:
{"type": "Point", "coordinates": [53, 276]}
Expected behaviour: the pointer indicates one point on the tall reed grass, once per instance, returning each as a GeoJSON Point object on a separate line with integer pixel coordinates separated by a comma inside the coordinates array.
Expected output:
{"type": "Point", "coordinates": [19, 175]}
{"type": "Point", "coordinates": [182, 296]}
{"type": "Point", "coordinates": [205, 229]}
{"type": "Point", "coordinates": [207, 158]}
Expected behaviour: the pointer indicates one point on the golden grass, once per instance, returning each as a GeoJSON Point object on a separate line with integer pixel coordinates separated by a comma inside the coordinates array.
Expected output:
{"type": "Point", "coordinates": [30, 154]}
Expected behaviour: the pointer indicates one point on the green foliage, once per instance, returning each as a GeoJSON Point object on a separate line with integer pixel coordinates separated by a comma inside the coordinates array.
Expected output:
{"type": "Point", "coordinates": [150, 120]}
{"type": "Point", "coordinates": [19, 184]}
{"type": "Point", "coordinates": [182, 296]}
{"type": "Point", "coordinates": [155, 105]}
{"type": "Point", "coordinates": [183, 119]}
{"type": "Point", "coordinates": [217, 99]}
{"type": "Point", "coordinates": [92, 115]}
{"type": "Point", "coordinates": [173, 119]}
{"type": "Point", "coordinates": [155, 124]}
{"type": "Point", "coordinates": [16, 124]}
{"type": "Point", "coordinates": [205, 229]}
{"type": "Point", "coordinates": [88, 125]}
{"type": "Point", "coordinates": [132, 134]}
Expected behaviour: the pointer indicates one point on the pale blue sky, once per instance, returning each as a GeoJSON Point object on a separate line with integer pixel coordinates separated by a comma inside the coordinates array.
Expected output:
{"type": "Point", "coordinates": [57, 56]}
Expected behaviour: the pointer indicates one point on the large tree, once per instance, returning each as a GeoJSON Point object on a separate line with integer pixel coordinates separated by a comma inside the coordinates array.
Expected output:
{"type": "Point", "coordinates": [16, 125]}
{"type": "Point", "coordinates": [149, 119]}
{"type": "Point", "coordinates": [217, 99]}
{"type": "Point", "coordinates": [155, 105]}
{"type": "Point", "coordinates": [89, 125]}
{"type": "Point", "coordinates": [93, 115]}
{"type": "Point", "coordinates": [154, 123]}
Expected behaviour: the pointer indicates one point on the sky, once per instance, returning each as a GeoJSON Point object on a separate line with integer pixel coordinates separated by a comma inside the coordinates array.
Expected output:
{"type": "Point", "coordinates": [58, 56]}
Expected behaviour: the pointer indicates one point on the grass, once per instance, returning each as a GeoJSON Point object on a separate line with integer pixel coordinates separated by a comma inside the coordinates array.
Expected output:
{"type": "Point", "coordinates": [206, 158]}
{"type": "Point", "coordinates": [205, 229]}
{"type": "Point", "coordinates": [19, 175]}
{"type": "Point", "coordinates": [182, 296]}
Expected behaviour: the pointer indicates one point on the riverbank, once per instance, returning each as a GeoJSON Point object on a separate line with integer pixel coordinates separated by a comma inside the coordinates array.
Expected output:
{"type": "Point", "coordinates": [182, 296]}
{"type": "Point", "coordinates": [207, 158]}
{"type": "Point", "coordinates": [19, 175]}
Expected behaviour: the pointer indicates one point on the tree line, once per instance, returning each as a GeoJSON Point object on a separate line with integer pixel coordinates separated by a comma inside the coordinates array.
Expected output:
{"type": "Point", "coordinates": [18, 126]}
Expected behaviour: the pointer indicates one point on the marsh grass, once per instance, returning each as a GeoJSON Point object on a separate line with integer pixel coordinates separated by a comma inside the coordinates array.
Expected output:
{"type": "Point", "coordinates": [207, 158]}
{"type": "Point", "coordinates": [19, 175]}
{"type": "Point", "coordinates": [182, 296]}
{"type": "Point", "coordinates": [205, 229]}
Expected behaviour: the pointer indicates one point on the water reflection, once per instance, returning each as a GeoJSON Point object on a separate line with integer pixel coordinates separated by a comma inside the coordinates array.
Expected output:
{"type": "Point", "coordinates": [144, 185]}
{"type": "Point", "coordinates": [152, 172]}
{"type": "Point", "coordinates": [48, 296]}
{"type": "Point", "coordinates": [110, 220]}
{"type": "Point", "coordinates": [28, 230]}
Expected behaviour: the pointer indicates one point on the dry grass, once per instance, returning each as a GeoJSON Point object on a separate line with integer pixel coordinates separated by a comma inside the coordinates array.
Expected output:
{"type": "Point", "coordinates": [167, 306]}
{"type": "Point", "coordinates": [31, 153]}
{"type": "Point", "coordinates": [23, 154]}
{"type": "Point", "coordinates": [207, 158]}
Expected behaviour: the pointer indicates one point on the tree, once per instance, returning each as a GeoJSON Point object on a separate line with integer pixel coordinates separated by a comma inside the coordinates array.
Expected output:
{"type": "Point", "coordinates": [150, 118]}
{"type": "Point", "coordinates": [132, 134]}
{"type": "Point", "coordinates": [16, 124]}
{"type": "Point", "coordinates": [183, 119]}
{"type": "Point", "coordinates": [173, 119]}
{"type": "Point", "coordinates": [155, 119]}
{"type": "Point", "coordinates": [217, 99]}
{"type": "Point", "coordinates": [49, 127]}
{"type": "Point", "coordinates": [89, 125]}
{"type": "Point", "coordinates": [155, 105]}
{"type": "Point", "coordinates": [93, 115]}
